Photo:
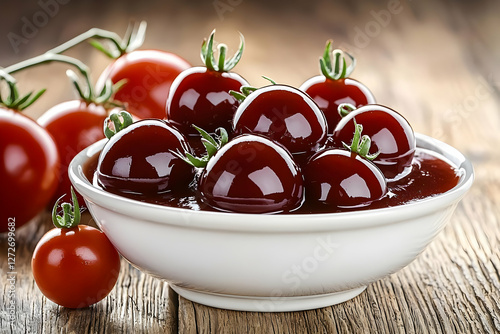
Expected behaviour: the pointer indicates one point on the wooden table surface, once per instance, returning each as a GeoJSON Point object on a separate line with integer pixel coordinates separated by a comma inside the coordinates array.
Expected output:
{"type": "Point", "coordinates": [437, 63]}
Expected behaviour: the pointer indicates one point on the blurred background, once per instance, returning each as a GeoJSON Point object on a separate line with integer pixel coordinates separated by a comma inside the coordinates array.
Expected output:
{"type": "Point", "coordinates": [436, 62]}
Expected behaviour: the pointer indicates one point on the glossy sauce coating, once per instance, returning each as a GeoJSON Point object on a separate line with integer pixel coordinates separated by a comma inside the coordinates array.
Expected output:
{"type": "Point", "coordinates": [430, 176]}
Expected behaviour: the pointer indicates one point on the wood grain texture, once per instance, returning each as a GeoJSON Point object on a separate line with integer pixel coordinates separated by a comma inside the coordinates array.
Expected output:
{"type": "Point", "coordinates": [435, 63]}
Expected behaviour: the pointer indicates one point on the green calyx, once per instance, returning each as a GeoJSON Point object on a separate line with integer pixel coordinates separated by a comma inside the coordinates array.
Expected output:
{"type": "Point", "coordinates": [243, 93]}
{"type": "Point", "coordinates": [119, 121]}
{"type": "Point", "coordinates": [104, 97]}
{"type": "Point", "coordinates": [345, 109]}
{"type": "Point", "coordinates": [247, 90]}
{"type": "Point", "coordinates": [333, 64]}
{"type": "Point", "coordinates": [222, 64]}
{"type": "Point", "coordinates": [14, 100]}
{"type": "Point", "coordinates": [361, 144]}
{"type": "Point", "coordinates": [212, 145]}
{"type": "Point", "coordinates": [70, 216]}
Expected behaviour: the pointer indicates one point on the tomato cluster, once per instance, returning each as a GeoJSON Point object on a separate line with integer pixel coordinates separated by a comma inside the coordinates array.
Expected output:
{"type": "Point", "coordinates": [268, 150]}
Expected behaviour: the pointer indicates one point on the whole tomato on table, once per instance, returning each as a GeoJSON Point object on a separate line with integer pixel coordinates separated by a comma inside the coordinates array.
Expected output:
{"type": "Point", "coordinates": [29, 161]}
{"type": "Point", "coordinates": [74, 265]}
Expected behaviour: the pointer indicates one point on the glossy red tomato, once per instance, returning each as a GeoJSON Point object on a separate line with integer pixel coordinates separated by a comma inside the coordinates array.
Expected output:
{"type": "Point", "coordinates": [74, 125]}
{"type": "Point", "coordinates": [29, 168]}
{"type": "Point", "coordinates": [141, 159]}
{"type": "Point", "coordinates": [390, 133]}
{"type": "Point", "coordinates": [329, 94]}
{"type": "Point", "coordinates": [148, 75]}
{"type": "Point", "coordinates": [201, 97]}
{"type": "Point", "coordinates": [284, 114]}
{"type": "Point", "coordinates": [252, 174]}
{"type": "Point", "coordinates": [334, 87]}
{"type": "Point", "coordinates": [75, 267]}
{"type": "Point", "coordinates": [337, 178]}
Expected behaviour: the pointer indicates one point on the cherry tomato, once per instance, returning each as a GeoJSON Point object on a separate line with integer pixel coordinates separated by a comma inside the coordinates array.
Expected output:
{"type": "Point", "coordinates": [200, 95]}
{"type": "Point", "coordinates": [391, 136]}
{"type": "Point", "coordinates": [252, 174]}
{"type": "Point", "coordinates": [334, 87]}
{"type": "Point", "coordinates": [29, 168]}
{"type": "Point", "coordinates": [329, 94]}
{"type": "Point", "coordinates": [142, 159]}
{"type": "Point", "coordinates": [341, 179]}
{"type": "Point", "coordinates": [74, 265]}
{"type": "Point", "coordinates": [74, 125]}
{"type": "Point", "coordinates": [148, 75]}
{"type": "Point", "coordinates": [284, 114]}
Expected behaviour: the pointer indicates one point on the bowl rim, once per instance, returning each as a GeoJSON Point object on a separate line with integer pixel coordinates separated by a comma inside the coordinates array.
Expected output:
{"type": "Point", "coordinates": [264, 223]}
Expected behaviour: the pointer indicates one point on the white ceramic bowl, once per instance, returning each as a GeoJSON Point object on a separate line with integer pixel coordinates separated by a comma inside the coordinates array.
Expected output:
{"type": "Point", "coordinates": [271, 262]}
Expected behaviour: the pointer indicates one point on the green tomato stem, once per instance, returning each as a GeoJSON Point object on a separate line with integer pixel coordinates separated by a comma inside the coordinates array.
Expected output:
{"type": "Point", "coordinates": [222, 55]}
{"type": "Point", "coordinates": [222, 65]}
{"type": "Point", "coordinates": [134, 38]}
{"type": "Point", "coordinates": [361, 144]}
{"type": "Point", "coordinates": [12, 83]}
{"type": "Point", "coordinates": [71, 215]}
{"type": "Point", "coordinates": [52, 57]}
{"type": "Point", "coordinates": [345, 108]}
{"type": "Point", "coordinates": [247, 90]}
{"type": "Point", "coordinates": [14, 101]}
{"type": "Point", "coordinates": [120, 121]}
{"type": "Point", "coordinates": [92, 33]}
{"type": "Point", "coordinates": [212, 145]}
{"type": "Point", "coordinates": [333, 63]}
